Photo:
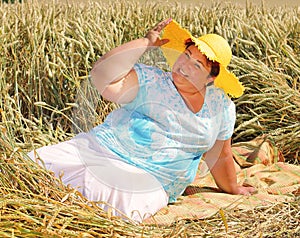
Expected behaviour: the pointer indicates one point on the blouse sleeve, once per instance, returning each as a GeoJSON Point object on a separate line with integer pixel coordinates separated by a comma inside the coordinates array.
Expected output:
{"type": "Point", "coordinates": [146, 77]}
{"type": "Point", "coordinates": [141, 75]}
{"type": "Point", "coordinates": [228, 122]}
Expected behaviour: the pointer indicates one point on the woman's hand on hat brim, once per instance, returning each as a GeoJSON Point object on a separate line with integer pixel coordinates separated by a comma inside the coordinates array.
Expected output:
{"type": "Point", "coordinates": [153, 34]}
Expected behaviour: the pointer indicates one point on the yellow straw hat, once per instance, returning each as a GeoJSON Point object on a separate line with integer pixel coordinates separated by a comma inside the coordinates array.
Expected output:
{"type": "Point", "coordinates": [215, 47]}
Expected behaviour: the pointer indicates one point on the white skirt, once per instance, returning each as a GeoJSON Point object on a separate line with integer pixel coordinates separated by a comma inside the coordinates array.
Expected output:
{"type": "Point", "coordinates": [100, 175]}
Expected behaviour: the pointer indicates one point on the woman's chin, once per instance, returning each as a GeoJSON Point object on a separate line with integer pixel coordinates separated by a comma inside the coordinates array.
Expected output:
{"type": "Point", "coordinates": [177, 78]}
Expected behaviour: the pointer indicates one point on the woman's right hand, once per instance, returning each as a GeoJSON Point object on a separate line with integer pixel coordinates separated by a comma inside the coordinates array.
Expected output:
{"type": "Point", "coordinates": [153, 35]}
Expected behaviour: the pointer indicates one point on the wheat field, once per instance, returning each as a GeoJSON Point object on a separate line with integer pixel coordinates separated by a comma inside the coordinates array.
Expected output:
{"type": "Point", "coordinates": [47, 50]}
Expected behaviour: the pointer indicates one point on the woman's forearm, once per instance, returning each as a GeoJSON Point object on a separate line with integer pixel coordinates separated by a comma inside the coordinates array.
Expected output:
{"type": "Point", "coordinates": [224, 174]}
{"type": "Point", "coordinates": [220, 162]}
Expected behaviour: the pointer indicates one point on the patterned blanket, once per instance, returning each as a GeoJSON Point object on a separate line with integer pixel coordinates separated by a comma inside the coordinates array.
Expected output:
{"type": "Point", "coordinates": [258, 163]}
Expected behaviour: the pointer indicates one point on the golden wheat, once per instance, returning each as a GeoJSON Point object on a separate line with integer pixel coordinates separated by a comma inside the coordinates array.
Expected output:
{"type": "Point", "coordinates": [47, 50]}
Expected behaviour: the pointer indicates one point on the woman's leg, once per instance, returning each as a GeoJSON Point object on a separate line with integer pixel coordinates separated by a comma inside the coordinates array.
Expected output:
{"type": "Point", "coordinates": [101, 176]}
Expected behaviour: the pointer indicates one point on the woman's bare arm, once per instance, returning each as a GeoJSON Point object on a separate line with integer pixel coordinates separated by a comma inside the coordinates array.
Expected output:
{"type": "Point", "coordinates": [220, 161]}
{"type": "Point", "coordinates": [113, 74]}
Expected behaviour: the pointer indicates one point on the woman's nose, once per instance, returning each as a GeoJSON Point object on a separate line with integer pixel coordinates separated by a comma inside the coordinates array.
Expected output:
{"type": "Point", "coordinates": [187, 65]}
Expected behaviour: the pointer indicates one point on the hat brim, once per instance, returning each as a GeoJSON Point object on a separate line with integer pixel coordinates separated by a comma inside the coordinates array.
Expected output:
{"type": "Point", "coordinates": [229, 83]}
{"type": "Point", "coordinates": [177, 37]}
{"type": "Point", "coordinates": [176, 45]}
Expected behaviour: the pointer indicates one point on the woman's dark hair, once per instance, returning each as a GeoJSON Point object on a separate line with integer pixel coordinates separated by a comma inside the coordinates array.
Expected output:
{"type": "Point", "coordinates": [215, 66]}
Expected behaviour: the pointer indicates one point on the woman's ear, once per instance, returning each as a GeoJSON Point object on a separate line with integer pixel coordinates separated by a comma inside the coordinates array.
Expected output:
{"type": "Point", "coordinates": [210, 79]}
{"type": "Point", "coordinates": [188, 41]}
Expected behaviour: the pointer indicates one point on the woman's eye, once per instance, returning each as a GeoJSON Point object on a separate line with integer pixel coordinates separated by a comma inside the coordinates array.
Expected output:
{"type": "Point", "coordinates": [187, 55]}
{"type": "Point", "coordinates": [197, 66]}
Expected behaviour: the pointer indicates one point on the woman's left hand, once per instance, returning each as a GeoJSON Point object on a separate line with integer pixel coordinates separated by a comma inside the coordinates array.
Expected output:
{"type": "Point", "coordinates": [244, 190]}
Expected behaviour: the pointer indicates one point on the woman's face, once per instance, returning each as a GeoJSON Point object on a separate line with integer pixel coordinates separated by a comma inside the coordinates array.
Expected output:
{"type": "Point", "coordinates": [191, 71]}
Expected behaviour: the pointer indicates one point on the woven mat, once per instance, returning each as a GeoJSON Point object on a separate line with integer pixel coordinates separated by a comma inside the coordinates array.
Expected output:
{"type": "Point", "coordinates": [258, 164]}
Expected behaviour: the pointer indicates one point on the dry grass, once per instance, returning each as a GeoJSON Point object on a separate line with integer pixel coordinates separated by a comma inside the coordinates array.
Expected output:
{"type": "Point", "coordinates": [35, 204]}
{"type": "Point", "coordinates": [46, 53]}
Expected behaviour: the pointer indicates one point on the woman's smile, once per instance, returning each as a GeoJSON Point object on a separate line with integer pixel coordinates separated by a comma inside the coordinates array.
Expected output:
{"type": "Point", "coordinates": [182, 72]}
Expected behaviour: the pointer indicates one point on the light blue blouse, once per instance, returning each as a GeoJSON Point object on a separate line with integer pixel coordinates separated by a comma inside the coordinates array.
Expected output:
{"type": "Point", "coordinates": [158, 133]}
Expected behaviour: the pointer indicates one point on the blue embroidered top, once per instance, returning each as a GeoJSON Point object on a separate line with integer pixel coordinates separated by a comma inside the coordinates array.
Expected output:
{"type": "Point", "coordinates": [158, 133]}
